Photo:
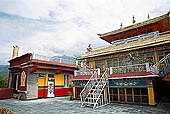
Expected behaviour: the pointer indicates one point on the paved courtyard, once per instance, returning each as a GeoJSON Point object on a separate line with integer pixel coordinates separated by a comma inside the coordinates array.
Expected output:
{"type": "Point", "coordinates": [62, 105]}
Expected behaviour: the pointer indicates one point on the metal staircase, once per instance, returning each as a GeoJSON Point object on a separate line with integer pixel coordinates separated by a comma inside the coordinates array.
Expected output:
{"type": "Point", "coordinates": [84, 70]}
{"type": "Point", "coordinates": [96, 92]}
{"type": "Point", "coordinates": [162, 67]}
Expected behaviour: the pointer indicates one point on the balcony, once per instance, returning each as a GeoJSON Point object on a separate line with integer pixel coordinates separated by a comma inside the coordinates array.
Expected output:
{"type": "Point", "coordinates": [130, 68]}
{"type": "Point", "coordinates": [136, 38]}
{"type": "Point", "coordinates": [54, 59]}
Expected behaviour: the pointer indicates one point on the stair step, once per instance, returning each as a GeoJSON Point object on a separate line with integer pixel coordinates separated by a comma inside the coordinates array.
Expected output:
{"type": "Point", "coordinates": [90, 103]}
{"type": "Point", "coordinates": [91, 98]}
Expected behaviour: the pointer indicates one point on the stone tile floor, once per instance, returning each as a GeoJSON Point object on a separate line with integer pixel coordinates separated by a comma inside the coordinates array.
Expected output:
{"type": "Point", "coordinates": [62, 105]}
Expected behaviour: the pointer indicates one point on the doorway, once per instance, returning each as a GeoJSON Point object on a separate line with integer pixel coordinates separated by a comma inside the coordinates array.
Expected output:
{"type": "Point", "coordinates": [16, 82]}
{"type": "Point", "coordinates": [51, 85]}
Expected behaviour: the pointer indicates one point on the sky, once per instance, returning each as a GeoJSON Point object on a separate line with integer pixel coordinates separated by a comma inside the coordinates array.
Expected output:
{"type": "Point", "coordinates": [67, 27]}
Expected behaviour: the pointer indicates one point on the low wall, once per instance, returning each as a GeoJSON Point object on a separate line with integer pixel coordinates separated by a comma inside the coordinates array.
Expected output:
{"type": "Point", "coordinates": [6, 93]}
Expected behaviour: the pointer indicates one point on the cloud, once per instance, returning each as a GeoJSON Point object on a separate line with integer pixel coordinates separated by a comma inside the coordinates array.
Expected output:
{"type": "Point", "coordinates": [66, 27]}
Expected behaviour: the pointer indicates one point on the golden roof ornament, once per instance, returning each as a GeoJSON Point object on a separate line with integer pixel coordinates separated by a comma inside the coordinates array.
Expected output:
{"type": "Point", "coordinates": [148, 16]}
{"type": "Point", "coordinates": [121, 25]}
{"type": "Point", "coordinates": [89, 48]}
{"type": "Point", "coordinates": [133, 19]}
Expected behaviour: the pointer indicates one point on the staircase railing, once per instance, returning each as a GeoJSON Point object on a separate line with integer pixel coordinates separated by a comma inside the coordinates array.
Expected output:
{"type": "Point", "coordinates": [164, 62]}
{"type": "Point", "coordinates": [84, 70]}
{"type": "Point", "coordinates": [89, 85]}
{"type": "Point", "coordinates": [99, 88]}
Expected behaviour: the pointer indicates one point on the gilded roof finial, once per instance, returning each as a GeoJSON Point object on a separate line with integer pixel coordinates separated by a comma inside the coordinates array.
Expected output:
{"type": "Point", "coordinates": [148, 16]}
{"type": "Point", "coordinates": [133, 19]}
{"type": "Point", "coordinates": [121, 25]}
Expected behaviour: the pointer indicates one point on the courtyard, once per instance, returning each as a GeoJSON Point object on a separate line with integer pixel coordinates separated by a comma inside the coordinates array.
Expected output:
{"type": "Point", "coordinates": [62, 105]}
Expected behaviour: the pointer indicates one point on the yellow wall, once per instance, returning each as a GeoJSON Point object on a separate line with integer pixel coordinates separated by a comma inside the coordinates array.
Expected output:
{"type": "Point", "coordinates": [92, 63]}
{"type": "Point", "coordinates": [59, 79]}
{"type": "Point", "coordinates": [151, 96]}
{"type": "Point", "coordinates": [43, 81]}
{"type": "Point", "coordinates": [74, 92]}
{"type": "Point", "coordinates": [70, 80]}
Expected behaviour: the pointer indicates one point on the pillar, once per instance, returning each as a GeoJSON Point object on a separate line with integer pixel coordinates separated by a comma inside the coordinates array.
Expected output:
{"type": "Point", "coordinates": [151, 96]}
{"type": "Point", "coordinates": [74, 92]}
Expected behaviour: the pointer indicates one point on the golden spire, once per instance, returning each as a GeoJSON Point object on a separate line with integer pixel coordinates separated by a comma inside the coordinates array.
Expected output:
{"type": "Point", "coordinates": [148, 16]}
{"type": "Point", "coordinates": [133, 19]}
{"type": "Point", "coordinates": [121, 25]}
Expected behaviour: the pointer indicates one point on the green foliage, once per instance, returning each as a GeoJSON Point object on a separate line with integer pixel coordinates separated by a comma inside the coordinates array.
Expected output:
{"type": "Point", "coordinates": [5, 111]}
{"type": "Point", "coordinates": [3, 82]}
{"type": "Point", "coordinates": [3, 70]}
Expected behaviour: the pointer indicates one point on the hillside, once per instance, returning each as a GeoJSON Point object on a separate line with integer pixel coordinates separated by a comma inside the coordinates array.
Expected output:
{"type": "Point", "coordinates": [3, 70]}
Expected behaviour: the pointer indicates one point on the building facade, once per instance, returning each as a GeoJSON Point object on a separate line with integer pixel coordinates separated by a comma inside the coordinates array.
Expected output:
{"type": "Point", "coordinates": [137, 61]}
{"type": "Point", "coordinates": [32, 77]}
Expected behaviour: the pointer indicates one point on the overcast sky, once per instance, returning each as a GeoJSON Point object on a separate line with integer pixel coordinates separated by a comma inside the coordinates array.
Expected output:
{"type": "Point", "coordinates": [66, 27]}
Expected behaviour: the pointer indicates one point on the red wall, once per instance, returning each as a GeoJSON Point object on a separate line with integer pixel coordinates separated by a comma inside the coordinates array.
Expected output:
{"type": "Point", "coordinates": [63, 91]}
{"type": "Point", "coordinates": [19, 60]}
{"type": "Point", "coordinates": [57, 92]}
{"type": "Point", "coordinates": [6, 93]}
{"type": "Point", "coordinates": [42, 92]}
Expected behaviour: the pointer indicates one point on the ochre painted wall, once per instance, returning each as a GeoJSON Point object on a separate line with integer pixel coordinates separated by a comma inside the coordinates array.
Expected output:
{"type": "Point", "coordinates": [70, 80]}
{"type": "Point", "coordinates": [59, 79]}
{"type": "Point", "coordinates": [92, 63]}
{"type": "Point", "coordinates": [43, 81]}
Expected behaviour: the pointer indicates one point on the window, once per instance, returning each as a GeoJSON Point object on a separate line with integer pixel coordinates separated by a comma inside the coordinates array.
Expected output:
{"type": "Point", "coordinates": [114, 94]}
{"type": "Point", "coordinates": [122, 94]}
{"type": "Point", "coordinates": [42, 75]}
{"type": "Point", "coordinates": [109, 63]}
{"type": "Point", "coordinates": [100, 64]}
{"type": "Point", "coordinates": [129, 95]}
{"type": "Point", "coordinates": [140, 95]}
{"type": "Point", "coordinates": [66, 80]}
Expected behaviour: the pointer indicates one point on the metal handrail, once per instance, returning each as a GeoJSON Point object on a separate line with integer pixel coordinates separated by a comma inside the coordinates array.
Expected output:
{"type": "Point", "coordinates": [104, 80]}
{"type": "Point", "coordinates": [155, 68]}
{"type": "Point", "coordinates": [93, 77]}
{"type": "Point", "coordinates": [136, 38]}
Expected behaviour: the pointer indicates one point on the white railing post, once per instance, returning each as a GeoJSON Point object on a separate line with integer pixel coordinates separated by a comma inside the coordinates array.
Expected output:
{"type": "Point", "coordinates": [98, 71]}
{"type": "Point", "coordinates": [60, 60]}
{"type": "Point", "coordinates": [76, 62]}
{"type": "Point", "coordinates": [111, 70]}
{"type": "Point", "coordinates": [147, 67]}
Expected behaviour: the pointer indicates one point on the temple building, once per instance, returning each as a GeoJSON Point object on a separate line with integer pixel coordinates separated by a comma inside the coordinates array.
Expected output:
{"type": "Point", "coordinates": [34, 76]}
{"type": "Point", "coordinates": [134, 68]}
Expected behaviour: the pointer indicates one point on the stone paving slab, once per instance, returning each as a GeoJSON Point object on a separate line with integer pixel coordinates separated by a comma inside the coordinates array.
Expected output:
{"type": "Point", "coordinates": [62, 105]}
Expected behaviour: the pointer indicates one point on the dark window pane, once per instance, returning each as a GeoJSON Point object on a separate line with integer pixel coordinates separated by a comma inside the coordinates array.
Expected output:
{"type": "Point", "coordinates": [115, 91]}
{"type": "Point", "coordinates": [137, 99]}
{"type": "Point", "coordinates": [144, 91]}
{"type": "Point", "coordinates": [145, 99]}
{"type": "Point", "coordinates": [115, 64]}
{"type": "Point", "coordinates": [129, 99]}
{"type": "Point", "coordinates": [115, 98]}
{"type": "Point", "coordinates": [129, 91]}
{"type": "Point", "coordinates": [120, 59]}
{"type": "Point", "coordinates": [114, 59]}
{"type": "Point", "coordinates": [111, 97]}
{"type": "Point", "coordinates": [120, 63]}
{"type": "Point", "coordinates": [122, 98]}
{"type": "Point", "coordinates": [121, 90]}
{"type": "Point", "coordinates": [136, 91]}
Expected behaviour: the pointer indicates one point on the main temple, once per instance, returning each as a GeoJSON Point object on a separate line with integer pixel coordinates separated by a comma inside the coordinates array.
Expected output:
{"type": "Point", "coordinates": [134, 68]}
